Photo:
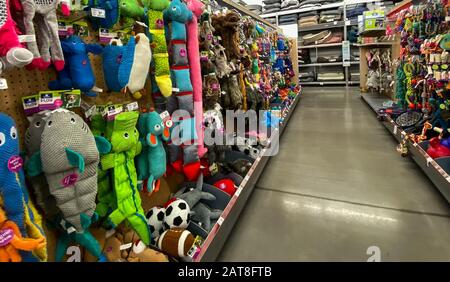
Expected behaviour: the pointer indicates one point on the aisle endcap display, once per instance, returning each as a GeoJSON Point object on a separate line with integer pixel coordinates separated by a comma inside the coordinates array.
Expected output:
{"type": "Point", "coordinates": [117, 141]}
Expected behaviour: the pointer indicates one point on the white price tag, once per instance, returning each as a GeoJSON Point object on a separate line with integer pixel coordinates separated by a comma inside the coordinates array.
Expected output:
{"type": "Point", "coordinates": [403, 133]}
{"type": "Point", "coordinates": [447, 178]}
{"type": "Point", "coordinates": [26, 38]}
{"type": "Point", "coordinates": [3, 84]}
{"type": "Point", "coordinates": [125, 246]}
{"type": "Point", "coordinates": [134, 106]}
{"type": "Point", "coordinates": [321, 84]}
{"type": "Point", "coordinates": [347, 22]}
{"type": "Point", "coordinates": [238, 191]}
{"type": "Point", "coordinates": [335, 23]}
{"type": "Point", "coordinates": [220, 221]}
{"type": "Point", "coordinates": [71, 230]}
{"type": "Point", "coordinates": [98, 13]}
{"type": "Point", "coordinates": [395, 129]}
{"type": "Point", "coordinates": [415, 144]}
{"type": "Point", "coordinates": [176, 89]}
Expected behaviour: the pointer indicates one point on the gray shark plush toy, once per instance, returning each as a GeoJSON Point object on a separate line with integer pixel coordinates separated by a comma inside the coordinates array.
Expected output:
{"type": "Point", "coordinates": [39, 183]}
{"type": "Point", "coordinates": [69, 158]}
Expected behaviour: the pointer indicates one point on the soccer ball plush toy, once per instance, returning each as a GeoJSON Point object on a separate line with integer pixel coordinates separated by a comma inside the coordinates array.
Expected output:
{"type": "Point", "coordinates": [155, 220]}
{"type": "Point", "coordinates": [177, 214]}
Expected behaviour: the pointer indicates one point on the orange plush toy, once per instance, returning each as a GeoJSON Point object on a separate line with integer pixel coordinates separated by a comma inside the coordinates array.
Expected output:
{"type": "Point", "coordinates": [11, 241]}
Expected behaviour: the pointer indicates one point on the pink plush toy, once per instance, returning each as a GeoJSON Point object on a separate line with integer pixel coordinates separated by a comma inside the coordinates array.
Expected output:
{"type": "Point", "coordinates": [197, 8]}
{"type": "Point", "coordinates": [10, 48]}
{"type": "Point", "coordinates": [436, 149]}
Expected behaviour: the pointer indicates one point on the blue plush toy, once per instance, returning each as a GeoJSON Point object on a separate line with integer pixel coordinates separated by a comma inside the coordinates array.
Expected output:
{"type": "Point", "coordinates": [111, 8]}
{"type": "Point", "coordinates": [13, 192]}
{"type": "Point", "coordinates": [127, 62]}
{"type": "Point", "coordinates": [112, 59]}
{"type": "Point", "coordinates": [79, 69]}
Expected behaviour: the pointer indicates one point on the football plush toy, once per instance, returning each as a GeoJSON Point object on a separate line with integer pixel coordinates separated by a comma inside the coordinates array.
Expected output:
{"type": "Point", "coordinates": [177, 214]}
{"type": "Point", "coordinates": [176, 242]}
{"type": "Point", "coordinates": [155, 220]}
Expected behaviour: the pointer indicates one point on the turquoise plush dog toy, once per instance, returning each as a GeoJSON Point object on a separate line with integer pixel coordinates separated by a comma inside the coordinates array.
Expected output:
{"type": "Point", "coordinates": [13, 192]}
{"type": "Point", "coordinates": [152, 160]}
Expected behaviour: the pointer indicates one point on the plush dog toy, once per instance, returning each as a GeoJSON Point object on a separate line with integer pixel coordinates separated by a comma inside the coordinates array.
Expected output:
{"type": "Point", "coordinates": [130, 11]}
{"type": "Point", "coordinates": [158, 44]}
{"type": "Point", "coordinates": [106, 199]}
{"type": "Point", "coordinates": [69, 158]}
{"type": "Point", "coordinates": [39, 184]}
{"type": "Point", "coordinates": [47, 24]}
{"type": "Point", "coordinates": [13, 192]}
{"type": "Point", "coordinates": [135, 65]}
{"type": "Point", "coordinates": [79, 72]}
{"type": "Point", "coordinates": [196, 7]}
{"type": "Point", "coordinates": [112, 58]}
{"type": "Point", "coordinates": [12, 240]}
{"type": "Point", "coordinates": [152, 160]}
{"type": "Point", "coordinates": [10, 47]}
{"type": "Point", "coordinates": [177, 15]}
{"type": "Point", "coordinates": [125, 147]}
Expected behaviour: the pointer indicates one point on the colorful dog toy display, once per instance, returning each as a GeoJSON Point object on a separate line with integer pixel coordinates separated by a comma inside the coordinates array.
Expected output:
{"type": "Point", "coordinates": [117, 154]}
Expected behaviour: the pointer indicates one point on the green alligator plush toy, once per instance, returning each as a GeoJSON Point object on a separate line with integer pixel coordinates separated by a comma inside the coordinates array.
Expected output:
{"type": "Point", "coordinates": [152, 161]}
{"type": "Point", "coordinates": [69, 158]}
{"type": "Point", "coordinates": [106, 200]}
{"type": "Point", "coordinates": [125, 147]}
{"type": "Point", "coordinates": [158, 44]}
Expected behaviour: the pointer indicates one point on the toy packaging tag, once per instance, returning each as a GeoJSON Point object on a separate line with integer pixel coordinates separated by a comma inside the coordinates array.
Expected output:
{"type": "Point", "coordinates": [213, 169]}
{"type": "Point", "coordinates": [81, 28]}
{"type": "Point", "coordinates": [98, 13]}
{"type": "Point", "coordinates": [165, 116]}
{"type": "Point", "coordinates": [49, 100]}
{"type": "Point", "coordinates": [3, 84]}
{"type": "Point", "coordinates": [26, 38]}
{"type": "Point", "coordinates": [64, 29]}
{"type": "Point", "coordinates": [71, 99]}
{"type": "Point", "coordinates": [133, 106]}
{"type": "Point", "coordinates": [89, 110]}
{"type": "Point", "coordinates": [105, 35]}
{"type": "Point", "coordinates": [196, 247]}
{"type": "Point", "coordinates": [112, 111]}
{"type": "Point", "coordinates": [30, 104]}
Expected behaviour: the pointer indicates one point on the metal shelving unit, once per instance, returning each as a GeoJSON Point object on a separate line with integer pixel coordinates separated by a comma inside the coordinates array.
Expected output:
{"type": "Point", "coordinates": [320, 46]}
{"type": "Point", "coordinates": [431, 167]}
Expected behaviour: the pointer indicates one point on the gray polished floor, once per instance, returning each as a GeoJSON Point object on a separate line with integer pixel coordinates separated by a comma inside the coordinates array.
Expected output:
{"type": "Point", "coordinates": [337, 188]}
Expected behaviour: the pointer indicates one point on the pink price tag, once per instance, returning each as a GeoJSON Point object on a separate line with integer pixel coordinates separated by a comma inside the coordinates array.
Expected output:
{"type": "Point", "coordinates": [15, 164]}
{"type": "Point", "coordinates": [6, 236]}
{"type": "Point", "coordinates": [69, 180]}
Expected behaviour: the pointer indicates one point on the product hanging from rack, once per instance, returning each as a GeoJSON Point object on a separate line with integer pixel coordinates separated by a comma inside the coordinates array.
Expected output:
{"type": "Point", "coordinates": [116, 160]}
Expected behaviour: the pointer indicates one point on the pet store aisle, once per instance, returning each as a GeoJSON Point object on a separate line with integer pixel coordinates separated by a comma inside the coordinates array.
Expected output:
{"type": "Point", "coordinates": [338, 187]}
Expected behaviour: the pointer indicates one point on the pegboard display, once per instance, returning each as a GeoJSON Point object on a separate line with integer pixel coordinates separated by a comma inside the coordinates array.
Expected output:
{"type": "Point", "coordinates": [23, 82]}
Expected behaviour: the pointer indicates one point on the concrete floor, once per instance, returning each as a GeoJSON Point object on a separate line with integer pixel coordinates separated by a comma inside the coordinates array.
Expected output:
{"type": "Point", "coordinates": [338, 187]}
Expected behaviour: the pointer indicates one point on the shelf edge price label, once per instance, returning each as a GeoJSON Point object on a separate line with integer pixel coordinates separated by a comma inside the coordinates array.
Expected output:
{"type": "Point", "coordinates": [238, 191]}
{"type": "Point", "coordinates": [395, 129]}
{"type": "Point", "coordinates": [220, 221]}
